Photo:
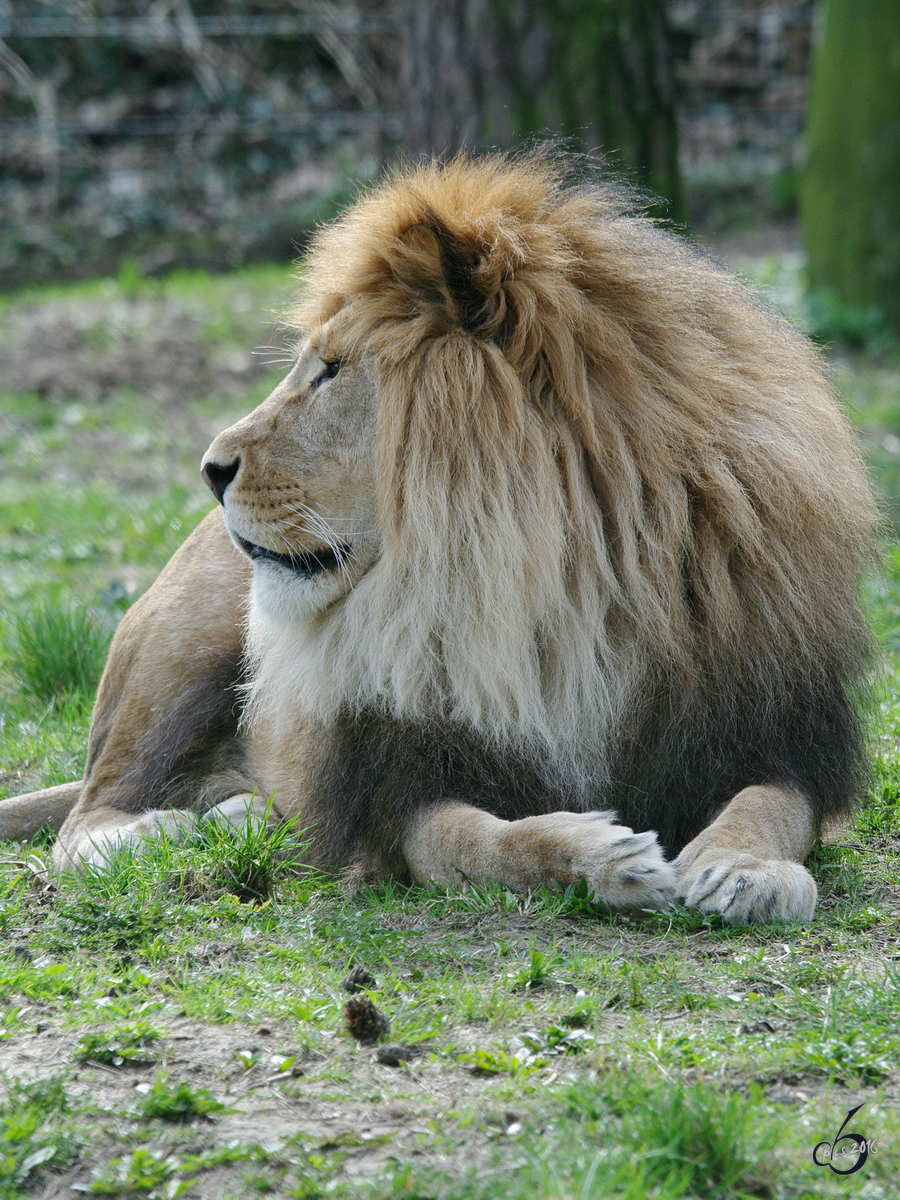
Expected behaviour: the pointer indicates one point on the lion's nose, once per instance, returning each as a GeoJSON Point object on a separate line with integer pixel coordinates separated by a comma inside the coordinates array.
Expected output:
{"type": "Point", "coordinates": [218, 477]}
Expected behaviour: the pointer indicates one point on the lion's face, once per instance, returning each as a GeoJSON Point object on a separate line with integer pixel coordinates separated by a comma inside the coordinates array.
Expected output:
{"type": "Point", "coordinates": [297, 481]}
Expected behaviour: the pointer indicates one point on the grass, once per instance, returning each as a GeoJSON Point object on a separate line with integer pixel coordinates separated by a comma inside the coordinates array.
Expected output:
{"type": "Point", "coordinates": [33, 1137]}
{"type": "Point", "coordinates": [176, 1026]}
{"type": "Point", "coordinates": [176, 1102]}
{"type": "Point", "coordinates": [57, 651]}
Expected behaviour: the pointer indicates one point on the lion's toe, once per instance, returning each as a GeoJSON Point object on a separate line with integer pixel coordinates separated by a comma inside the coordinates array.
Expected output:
{"type": "Point", "coordinates": [633, 873]}
{"type": "Point", "coordinates": [243, 812]}
{"type": "Point", "coordinates": [746, 889]}
{"type": "Point", "coordinates": [98, 844]}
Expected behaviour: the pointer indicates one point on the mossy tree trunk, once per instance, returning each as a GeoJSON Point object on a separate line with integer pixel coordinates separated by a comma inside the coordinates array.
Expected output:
{"type": "Point", "coordinates": [479, 73]}
{"type": "Point", "coordinates": [850, 201]}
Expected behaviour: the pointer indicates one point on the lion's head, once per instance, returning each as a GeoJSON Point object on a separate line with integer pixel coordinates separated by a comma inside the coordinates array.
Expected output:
{"type": "Point", "coordinates": [538, 459]}
{"type": "Point", "coordinates": [297, 478]}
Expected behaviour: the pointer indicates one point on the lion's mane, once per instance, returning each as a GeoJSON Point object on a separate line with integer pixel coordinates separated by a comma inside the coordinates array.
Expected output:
{"type": "Point", "coordinates": [623, 519]}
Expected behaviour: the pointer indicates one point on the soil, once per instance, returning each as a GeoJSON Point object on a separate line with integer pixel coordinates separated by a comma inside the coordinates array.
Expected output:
{"type": "Point", "coordinates": [89, 349]}
{"type": "Point", "coordinates": [337, 1099]}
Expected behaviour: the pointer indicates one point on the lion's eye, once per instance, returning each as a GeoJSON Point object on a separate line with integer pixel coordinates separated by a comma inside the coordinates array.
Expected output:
{"type": "Point", "coordinates": [328, 372]}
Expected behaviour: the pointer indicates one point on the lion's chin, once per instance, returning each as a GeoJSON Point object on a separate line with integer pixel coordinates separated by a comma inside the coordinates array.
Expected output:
{"type": "Point", "coordinates": [307, 565]}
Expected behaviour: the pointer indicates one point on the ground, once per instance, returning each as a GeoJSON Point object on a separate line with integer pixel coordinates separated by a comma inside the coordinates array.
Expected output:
{"type": "Point", "coordinates": [178, 1027]}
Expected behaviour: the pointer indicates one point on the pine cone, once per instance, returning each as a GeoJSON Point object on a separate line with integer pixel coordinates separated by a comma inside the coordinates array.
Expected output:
{"type": "Point", "coordinates": [365, 1022]}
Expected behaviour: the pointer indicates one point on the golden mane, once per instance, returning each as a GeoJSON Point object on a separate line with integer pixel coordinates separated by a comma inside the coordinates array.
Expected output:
{"type": "Point", "coordinates": [603, 463]}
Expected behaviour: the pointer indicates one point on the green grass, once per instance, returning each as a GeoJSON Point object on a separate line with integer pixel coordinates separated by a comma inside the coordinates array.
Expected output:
{"type": "Point", "coordinates": [57, 651]}
{"type": "Point", "coordinates": [128, 1046]}
{"type": "Point", "coordinates": [33, 1133]}
{"type": "Point", "coordinates": [179, 1102]}
{"type": "Point", "coordinates": [602, 1055]}
{"type": "Point", "coordinates": [175, 1026]}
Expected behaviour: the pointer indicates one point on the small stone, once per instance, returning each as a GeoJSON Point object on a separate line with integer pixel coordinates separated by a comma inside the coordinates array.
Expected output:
{"type": "Point", "coordinates": [395, 1056]}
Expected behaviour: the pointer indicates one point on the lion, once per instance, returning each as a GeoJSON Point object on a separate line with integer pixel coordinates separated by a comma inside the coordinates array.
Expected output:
{"type": "Point", "coordinates": [540, 565]}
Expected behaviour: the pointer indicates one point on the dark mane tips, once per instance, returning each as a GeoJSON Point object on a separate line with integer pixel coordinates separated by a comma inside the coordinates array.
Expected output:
{"type": "Point", "coordinates": [459, 262]}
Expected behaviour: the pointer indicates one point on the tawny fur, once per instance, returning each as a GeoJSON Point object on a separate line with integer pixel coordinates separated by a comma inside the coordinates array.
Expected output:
{"type": "Point", "coordinates": [627, 462]}
{"type": "Point", "coordinates": [597, 527]}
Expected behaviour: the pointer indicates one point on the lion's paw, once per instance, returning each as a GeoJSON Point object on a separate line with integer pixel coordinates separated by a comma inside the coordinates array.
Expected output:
{"type": "Point", "coordinates": [746, 889]}
{"type": "Point", "coordinates": [245, 812]}
{"type": "Point", "coordinates": [623, 869]}
{"type": "Point", "coordinates": [99, 848]}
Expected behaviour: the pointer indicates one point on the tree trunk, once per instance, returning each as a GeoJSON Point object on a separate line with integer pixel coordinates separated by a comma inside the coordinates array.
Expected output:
{"type": "Point", "coordinates": [850, 201]}
{"type": "Point", "coordinates": [476, 73]}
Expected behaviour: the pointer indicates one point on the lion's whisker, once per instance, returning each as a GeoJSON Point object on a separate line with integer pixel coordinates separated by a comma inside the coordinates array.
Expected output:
{"type": "Point", "coordinates": [314, 524]}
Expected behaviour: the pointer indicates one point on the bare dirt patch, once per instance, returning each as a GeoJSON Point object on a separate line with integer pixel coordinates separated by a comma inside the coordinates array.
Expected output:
{"type": "Point", "coordinates": [89, 349]}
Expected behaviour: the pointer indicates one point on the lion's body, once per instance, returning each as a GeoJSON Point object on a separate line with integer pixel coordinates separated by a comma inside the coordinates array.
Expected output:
{"type": "Point", "coordinates": [552, 515]}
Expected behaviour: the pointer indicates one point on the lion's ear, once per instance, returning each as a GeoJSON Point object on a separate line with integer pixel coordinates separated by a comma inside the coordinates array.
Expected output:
{"type": "Point", "coordinates": [470, 304]}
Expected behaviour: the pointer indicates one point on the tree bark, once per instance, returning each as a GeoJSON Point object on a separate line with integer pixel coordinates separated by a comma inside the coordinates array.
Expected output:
{"type": "Point", "coordinates": [477, 73]}
{"type": "Point", "coordinates": [850, 199]}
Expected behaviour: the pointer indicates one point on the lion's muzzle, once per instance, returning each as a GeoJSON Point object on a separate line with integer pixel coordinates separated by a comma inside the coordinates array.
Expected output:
{"type": "Point", "coordinates": [306, 565]}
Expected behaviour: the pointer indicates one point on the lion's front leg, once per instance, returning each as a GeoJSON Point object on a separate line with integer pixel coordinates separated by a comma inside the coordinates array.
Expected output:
{"type": "Point", "coordinates": [622, 869]}
{"type": "Point", "coordinates": [96, 838]}
{"type": "Point", "coordinates": [245, 811]}
{"type": "Point", "coordinates": [746, 865]}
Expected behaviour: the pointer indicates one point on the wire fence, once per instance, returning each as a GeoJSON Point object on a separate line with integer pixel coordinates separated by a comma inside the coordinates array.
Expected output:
{"type": "Point", "coordinates": [165, 29]}
{"type": "Point", "coordinates": [151, 116]}
{"type": "Point", "coordinates": [58, 116]}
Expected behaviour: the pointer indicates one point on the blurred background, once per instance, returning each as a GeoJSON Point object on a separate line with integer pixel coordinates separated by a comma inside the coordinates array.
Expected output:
{"type": "Point", "coordinates": [217, 132]}
{"type": "Point", "coordinates": [162, 163]}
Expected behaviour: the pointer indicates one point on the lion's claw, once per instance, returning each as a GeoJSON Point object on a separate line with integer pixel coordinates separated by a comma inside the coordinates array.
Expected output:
{"type": "Point", "coordinates": [745, 889]}
{"type": "Point", "coordinates": [621, 868]}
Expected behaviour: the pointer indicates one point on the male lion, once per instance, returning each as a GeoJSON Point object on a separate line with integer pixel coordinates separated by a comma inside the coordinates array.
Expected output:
{"type": "Point", "coordinates": [550, 516]}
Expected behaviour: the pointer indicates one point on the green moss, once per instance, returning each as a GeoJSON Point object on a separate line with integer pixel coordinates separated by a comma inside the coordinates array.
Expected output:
{"type": "Point", "coordinates": [851, 191]}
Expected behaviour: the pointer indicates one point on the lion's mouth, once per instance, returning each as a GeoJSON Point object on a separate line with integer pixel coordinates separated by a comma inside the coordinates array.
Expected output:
{"type": "Point", "coordinates": [307, 565]}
